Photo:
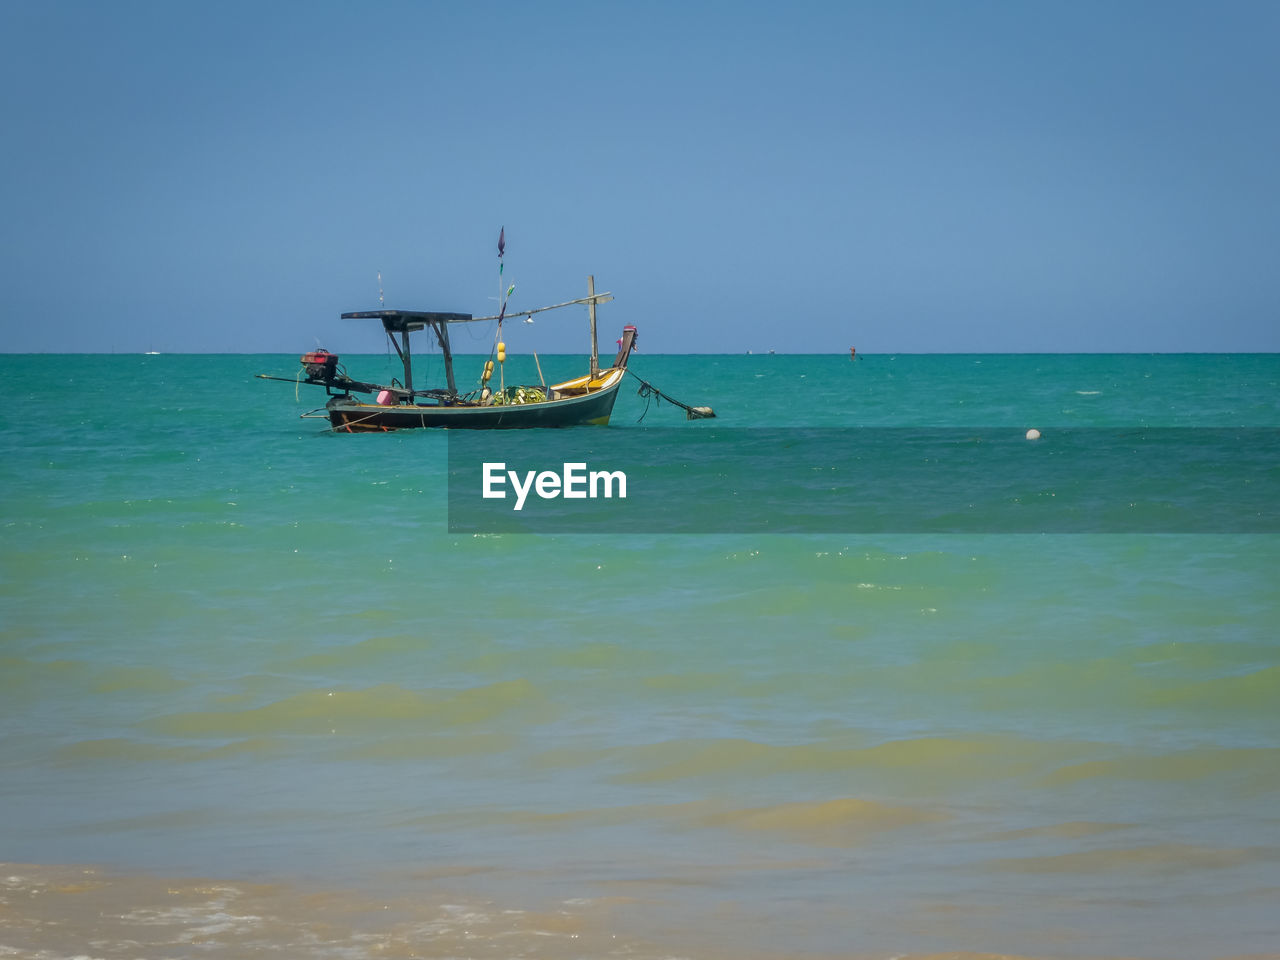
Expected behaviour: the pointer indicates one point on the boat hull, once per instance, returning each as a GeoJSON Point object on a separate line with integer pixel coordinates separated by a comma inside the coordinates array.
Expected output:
{"type": "Point", "coordinates": [348, 415]}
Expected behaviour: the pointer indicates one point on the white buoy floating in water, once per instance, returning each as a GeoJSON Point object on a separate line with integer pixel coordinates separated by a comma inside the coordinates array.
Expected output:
{"type": "Point", "coordinates": [1033, 434]}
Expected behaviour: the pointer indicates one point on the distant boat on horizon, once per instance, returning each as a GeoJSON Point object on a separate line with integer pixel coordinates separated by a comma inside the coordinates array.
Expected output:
{"type": "Point", "coordinates": [152, 353]}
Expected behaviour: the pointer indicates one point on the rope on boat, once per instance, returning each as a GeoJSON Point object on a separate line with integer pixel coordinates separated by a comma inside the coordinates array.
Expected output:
{"type": "Point", "coordinates": [348, 424]}
{"type": "Point", "coordinates": [652, 393]}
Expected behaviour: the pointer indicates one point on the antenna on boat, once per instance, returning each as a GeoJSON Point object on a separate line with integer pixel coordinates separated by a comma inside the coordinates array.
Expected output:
{"type": "Point", "coordinates": [502, 312]}
{"type": "Point", "coordinates": [382, 305]}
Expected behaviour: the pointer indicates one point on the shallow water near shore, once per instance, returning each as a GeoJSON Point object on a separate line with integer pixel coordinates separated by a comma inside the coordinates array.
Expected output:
{"type": "Point", "coordinates": [239, 648]}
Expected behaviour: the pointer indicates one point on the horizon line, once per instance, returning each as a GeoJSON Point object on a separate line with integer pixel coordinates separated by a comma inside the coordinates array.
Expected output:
{"type": "Point", "coordinates": [692, 353]}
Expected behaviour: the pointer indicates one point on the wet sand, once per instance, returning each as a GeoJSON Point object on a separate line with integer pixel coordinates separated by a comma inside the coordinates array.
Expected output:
{"type": "Point", "coordinates": [86, 913]}
{"type": "Point", "coordinates": [76, 911]}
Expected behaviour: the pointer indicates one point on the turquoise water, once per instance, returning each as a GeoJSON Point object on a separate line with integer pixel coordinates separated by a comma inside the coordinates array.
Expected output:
{"type": "Point", "coordinates": [236, 646]}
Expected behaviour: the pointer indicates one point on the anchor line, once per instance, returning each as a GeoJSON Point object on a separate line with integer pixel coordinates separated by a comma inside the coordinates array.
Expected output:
{"type": "Point", "coordinates": [652, 393]}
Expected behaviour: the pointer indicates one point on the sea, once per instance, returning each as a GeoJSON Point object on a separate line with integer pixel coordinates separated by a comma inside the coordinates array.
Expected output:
{"type": "Point", "coordinates": [260, 697]}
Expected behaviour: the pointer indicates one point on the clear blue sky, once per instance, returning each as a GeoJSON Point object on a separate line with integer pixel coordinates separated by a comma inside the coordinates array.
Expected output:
{"type": "Point", "coordinates": [899, 176]}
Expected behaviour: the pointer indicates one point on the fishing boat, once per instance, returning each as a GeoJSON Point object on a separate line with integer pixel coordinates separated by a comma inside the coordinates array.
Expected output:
{"type": "Point", "coordinates": [359, 406]}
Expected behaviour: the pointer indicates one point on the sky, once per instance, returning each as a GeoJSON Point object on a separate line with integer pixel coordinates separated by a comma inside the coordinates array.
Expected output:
{"type": "Point", "coordinates": [908, 176]}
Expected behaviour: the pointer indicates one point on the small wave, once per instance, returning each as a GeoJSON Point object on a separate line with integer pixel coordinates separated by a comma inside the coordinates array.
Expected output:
{"type": "Point", "coordinates": [20, 677]}
{"type": "Point", "coordinates": [931, 759]}
{"type": "Point", "coordinates": [116, 750]}
{"type": "Point", "coordinates": [839, 822]}
{"type": "Point", "coordinates": [382, 708]}
{"type": "Point", "coordinates": [491, 817]}
{"type": "Point", "coordinates": [842, 822]}
{"type": "Point", "coordinates": [1156, 858]}
{"type": "Point", "coordinates": [135, 679]}
{"type": "Point", "coordinates": [423, 747]}
{"type": "Point", "coordinates": [357, 654]}
{"type": "Point", "coordinates": [1257, 768]}
{"type": "Point", "coordinates": [1073, 830]}
{"type": "Point", "coordinates": [176, 820]}
{"type": "Point", "coordinates": [18, 674]}
{"type": "Point", "coordinates": [680, 759]}
{"type": "Point", "coordinates": [1258, 690]}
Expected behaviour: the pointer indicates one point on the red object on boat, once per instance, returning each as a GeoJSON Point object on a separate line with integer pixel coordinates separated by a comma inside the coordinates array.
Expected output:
{"type": "Point", "coordinates": [320, 364]}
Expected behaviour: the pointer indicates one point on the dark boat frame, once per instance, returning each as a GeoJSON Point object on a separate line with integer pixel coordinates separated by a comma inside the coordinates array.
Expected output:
{"type": "Point", "coordinates": [587, 399]}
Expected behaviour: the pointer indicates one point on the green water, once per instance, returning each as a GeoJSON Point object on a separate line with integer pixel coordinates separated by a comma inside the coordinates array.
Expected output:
{"type": "Point", "coordinates": [234, 645]}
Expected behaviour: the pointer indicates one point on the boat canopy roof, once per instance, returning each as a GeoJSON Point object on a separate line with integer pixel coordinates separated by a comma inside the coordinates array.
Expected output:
{"type": "Point", "coordinates": [399, 321]}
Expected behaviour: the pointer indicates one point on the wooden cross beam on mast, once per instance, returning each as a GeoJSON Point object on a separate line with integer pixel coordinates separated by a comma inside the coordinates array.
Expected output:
{"type": "Point", "coordinates": [598, 298]}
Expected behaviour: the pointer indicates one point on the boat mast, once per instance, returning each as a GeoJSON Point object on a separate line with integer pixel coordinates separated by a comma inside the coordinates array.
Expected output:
{"type": "Point", "coordinates": [591, 312]}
